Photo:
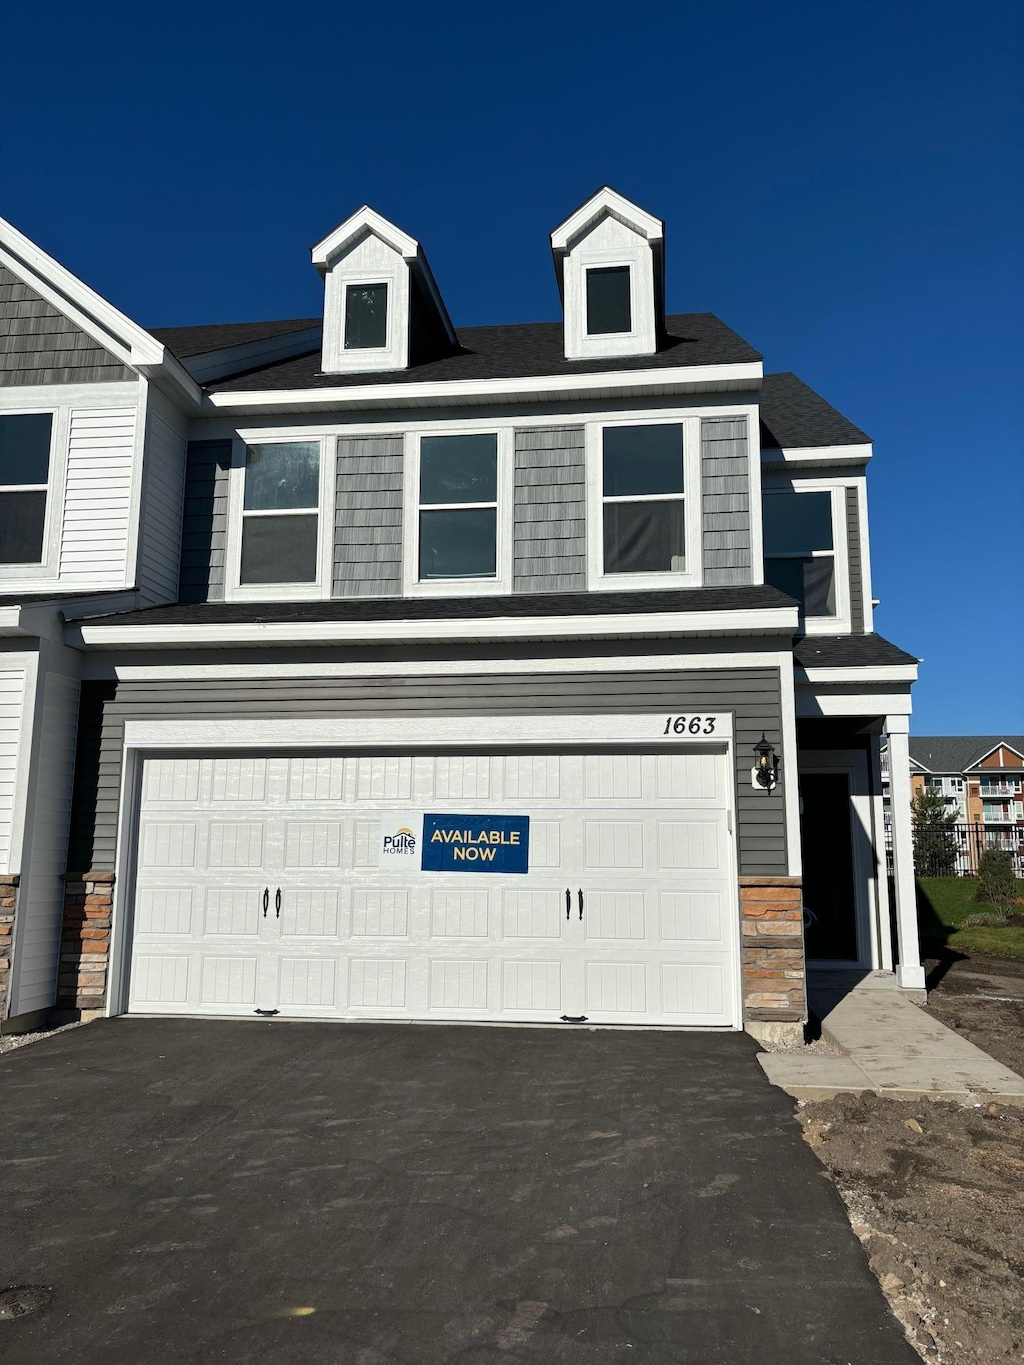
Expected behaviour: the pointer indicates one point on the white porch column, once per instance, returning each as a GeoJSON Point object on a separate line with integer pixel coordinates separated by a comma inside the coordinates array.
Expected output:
{"type": "Point", "coordinates": [909, 972]}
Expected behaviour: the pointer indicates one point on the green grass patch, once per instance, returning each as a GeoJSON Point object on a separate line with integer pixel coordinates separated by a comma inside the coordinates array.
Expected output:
{"type": "Point", "coordinates": [943, 903]}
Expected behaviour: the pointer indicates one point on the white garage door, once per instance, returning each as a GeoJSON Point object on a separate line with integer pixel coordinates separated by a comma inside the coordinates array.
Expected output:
{"type": "Point", "coordinates": [258, 889]}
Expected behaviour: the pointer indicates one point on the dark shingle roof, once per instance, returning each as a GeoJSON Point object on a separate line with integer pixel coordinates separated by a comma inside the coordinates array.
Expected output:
{"type": "Point", "coordinates": [188, 341]}
{"type": "Point", "coordinates": [849, 651]}
{"type": "Point", "coordinates": [794, 415]}
{"type": "Point", "coordinates": [517, 351]}
{"type": "Point", "coordinates": [454, 608]}
{"type": "Point", "coordinates": [957, 753]}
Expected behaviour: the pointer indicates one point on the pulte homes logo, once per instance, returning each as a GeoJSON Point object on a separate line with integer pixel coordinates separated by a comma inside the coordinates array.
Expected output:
{"type": "Point", "coordinates": [399, 844]}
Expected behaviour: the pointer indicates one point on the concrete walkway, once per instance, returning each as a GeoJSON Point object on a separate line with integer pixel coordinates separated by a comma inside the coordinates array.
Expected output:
{"type": "Point", "coordinates": [889, 1046]}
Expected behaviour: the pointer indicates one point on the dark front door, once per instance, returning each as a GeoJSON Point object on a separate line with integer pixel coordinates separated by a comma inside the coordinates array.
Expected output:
{"type": "Point", "coordinates": [830, 920]}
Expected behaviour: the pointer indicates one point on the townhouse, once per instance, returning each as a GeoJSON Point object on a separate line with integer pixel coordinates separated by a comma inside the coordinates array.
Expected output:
{"type": "Point", "coordinates": [365, 667]}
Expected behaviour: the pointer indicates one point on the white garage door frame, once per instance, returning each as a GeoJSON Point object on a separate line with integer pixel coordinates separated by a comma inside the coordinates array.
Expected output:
{"type": "Point", "coordinates": [652, 730]}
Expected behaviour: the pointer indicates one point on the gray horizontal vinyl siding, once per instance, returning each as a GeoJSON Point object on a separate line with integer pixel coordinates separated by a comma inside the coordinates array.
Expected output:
{"type": "Point", "coordinates": [39, 345]}
{"type": "Point", "coordinates": [550, 537]}
{"type": "Point", "coordinates": [204, 535]}
{"type": "Point", "coordinates": [856, 566]}
{"type": "Point", "coordinates": [725, 501]}
{"type": "Point", "coordinates": [368, 517]}
{"type": "Point", "coordinates": [751, 694]}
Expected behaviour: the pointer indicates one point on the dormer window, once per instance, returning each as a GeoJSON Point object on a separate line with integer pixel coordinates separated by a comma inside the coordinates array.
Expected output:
{"type": "Point", "coordinates": [608, 300]}
{"type": "Point", "coordinates": [366, 317]}
{"type": "Point", "coordinates": [382, 309]}
{"type": "Point", "coordinates": [609, 258]}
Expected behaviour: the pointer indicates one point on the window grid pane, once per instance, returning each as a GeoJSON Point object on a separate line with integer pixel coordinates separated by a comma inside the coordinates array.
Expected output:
{"type": "Point", "coordinates": [458, 543]}
{"type": "Point", "coordinates": [282, 475]}
{"type": "Point", "coordinates": [459, 469]}
{"type": "Point", "coordinates": [22, 519]}
{"type": "Point", "coordinates": [366, 317]}
{"type": "Point", "coordinates": [25, 450]}
{"type": "Point", "coordinates": [279, 549]}
{"type": "Point", "coordinates": [644, 537]}
{"type": "Point", "coordinates": [639, 461]}
{"type": "Point", "coordinates": [608, 302]}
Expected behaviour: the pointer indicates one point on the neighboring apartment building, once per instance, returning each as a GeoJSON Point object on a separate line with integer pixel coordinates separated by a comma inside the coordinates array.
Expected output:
{"type": "Point", "coordinates": [981, 780]}
{"type": "Point", "coordinates": [377, 669]}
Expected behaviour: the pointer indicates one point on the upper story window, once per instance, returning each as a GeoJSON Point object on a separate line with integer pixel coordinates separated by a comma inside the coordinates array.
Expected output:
{"type": "Point", "coordinates": [643, 521]}
{"type": "Point", "coordinates": [366, 317]}
{"type": "Point", "coordinates": [458, 507]}
{"type": "Point", "coordinates": [24, 476]}
{"type": "Point", "coordinates": [799, 548]}
{"type": "Point", "coordinates": [609, 307]}
{"type": "Point", "coordinates": [280, 513]}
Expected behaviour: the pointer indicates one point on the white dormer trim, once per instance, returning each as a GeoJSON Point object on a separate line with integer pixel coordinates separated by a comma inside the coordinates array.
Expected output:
{"type": "Point", "coordinates": [605, 232]}
{"type": "Point", "coordinates": [368, 249]}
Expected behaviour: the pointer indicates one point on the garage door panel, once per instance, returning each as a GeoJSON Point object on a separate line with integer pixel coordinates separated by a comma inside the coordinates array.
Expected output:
{"type": "Point", "coordinates": [546, 845]}
{"type": "Point", "coordinates": [168, 781]}
{"type": "Point", "coordinates": [164, 910]}
{"type": "Point", "coordinates": [228, 981]}
{"type": "Point", "coordinates": [457, 984]}
{"type": "Point", "coordinates": [695, 989]}
{"type": "Point", "coordinates": [236, 843]}
{"type": "Point", "coordinates": [233, 911]}
{"type": "Point", "coordinates": [455, 777]}
{"type": "Point", "coordinates": [308, 983]}
{"type": "Point", "coordinates": [365, 842]}
{"type": "Point", "coordinates": [615, 988]}
{"type": "Point", "coordinates": [531, 987]}
{"type": "Point", "coordinates": [237, 780]}
{"type": "Point", "coordinates": [617, 844]}
{"type": "Point", "coordinates": [167, 844]}
{"type": "Point", "coordinates": [310, 844]}
{"type": "Point", "coordinates": [387, 778]}
{"type": "Point", "coordinates": [610, 778]}
{"type": "Point", "coordinates": [160, 979]}
{"type": "Point", "coordinates": [688, 777]}
{"type": "Point", "coordinates": [532, 913]}
{"type": "Point", "coordinates": [317, 778]}
{"type": "Point", "coordinates": [531, 777]}
{"type": "Point", "coordinates": [617, 915]}
{"type": "Point", "coordinates": [690, 845]}
{"type": "Point", "coordinates": [380, 912]}
{"type": "Point", "coordinates": [378, 983]}
{"type": "Point", "coordinates": [692, 916]}
{"type": "Point", "coordinates": [459, 913]}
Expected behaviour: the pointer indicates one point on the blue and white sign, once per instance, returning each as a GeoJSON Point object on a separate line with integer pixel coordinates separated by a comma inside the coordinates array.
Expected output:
{"type": "Point", "coordinates": [476, 843]}
{"type": "Point", "coordinates": [411, 841]}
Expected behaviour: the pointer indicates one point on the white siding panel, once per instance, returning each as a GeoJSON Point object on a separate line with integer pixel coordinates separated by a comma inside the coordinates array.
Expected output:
{"type": "Point", "coordinates": [163, 498]}
{"type": "Point", "coordinates": [41, 896]}
{"type": "Point", "coordinates": [97, 498]}
{"type": "Point", "coordinates": [12, 699]}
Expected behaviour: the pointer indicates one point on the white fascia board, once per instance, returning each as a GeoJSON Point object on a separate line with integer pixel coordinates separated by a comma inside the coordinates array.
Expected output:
{"type": "Point", "coordinates": [892, 673]}
{"type": "Point", "coordinates": [107, 325]}
{"type": "Point", "coordinates": [211, 365]}
{"type": "Point", "coordinates": [225, 635]}
{"type": "Point", "coordinates": [607, 200]}
{"type": "Point", "coordinates": [836, 705]}
{"type": "Point", "coordinates": [744, 378]}
{"type": "Point", "coordinates": [10, 622]}
{"type": "Point", "coordinates": [774, 457]}
{"type": "Point", "coordinates": [364, 219]}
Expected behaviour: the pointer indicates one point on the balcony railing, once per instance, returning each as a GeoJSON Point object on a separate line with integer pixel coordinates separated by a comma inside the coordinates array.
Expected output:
{"type": "Point", "coordinates": [956, 850]}
{"type": "Point", "coordinates": [999, 789]}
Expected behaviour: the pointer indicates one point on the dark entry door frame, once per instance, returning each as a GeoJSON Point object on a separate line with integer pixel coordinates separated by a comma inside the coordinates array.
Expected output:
{"type": "Point", "coordinates": [853, 765]}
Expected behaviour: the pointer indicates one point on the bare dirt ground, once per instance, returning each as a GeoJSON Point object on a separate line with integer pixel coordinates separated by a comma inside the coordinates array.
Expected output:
{"type": "Point", "coordinates": [936, 1191]}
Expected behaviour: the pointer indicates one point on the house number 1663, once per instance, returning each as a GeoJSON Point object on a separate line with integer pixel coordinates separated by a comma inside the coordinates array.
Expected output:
{"type": "Point", "coordinates": [689, 725]}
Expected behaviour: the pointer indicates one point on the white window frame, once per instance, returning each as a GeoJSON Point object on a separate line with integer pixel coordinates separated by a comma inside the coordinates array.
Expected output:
{"type": "Point", "coordinates": [359, 283]}
{"type": "Point", "coordinates": [234, 589]}
{"type": "Point", "coordinates": [842, 622]}
{"type": "Point", "coordinates": [614, 261]}
{"type": "Point", "coordinates": [60, 424]}
{"type": "Point", "coordinates": [501, 583]}
{"type": "Point", "coordinates": [692, 575]}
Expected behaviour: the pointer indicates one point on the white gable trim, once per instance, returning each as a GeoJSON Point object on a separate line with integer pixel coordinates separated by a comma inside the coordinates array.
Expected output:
{"type": "Point", "coordinates": [107, 325]}
{"type": "Point", "coordinates": [363, 220]}
{"type": "Point", "coordinates": [607, 200]}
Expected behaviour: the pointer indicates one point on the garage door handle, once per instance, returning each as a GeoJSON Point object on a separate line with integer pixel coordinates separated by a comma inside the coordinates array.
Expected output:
{"type": "Point", "coordinates": [568, 902]}
{"type": "Point", "coordinates": [581, 902]}
{"type": "Point", "coordinates": [266, 900]}
{"type": "Point", "coordinates": [277, 903]}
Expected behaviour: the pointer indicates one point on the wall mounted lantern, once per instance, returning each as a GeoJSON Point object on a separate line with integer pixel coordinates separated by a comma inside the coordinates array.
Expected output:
{"type": "Point", "coordinates": [765, 772]}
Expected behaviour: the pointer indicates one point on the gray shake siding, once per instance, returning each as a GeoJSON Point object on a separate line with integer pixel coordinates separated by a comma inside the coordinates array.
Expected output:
{"type": "Point", "coordinates": [856, 567]}
{"type": "Point", "coordinates": [205, 524]}
{"type": "Point", "coordinates": [549, 542]}
{"type": "Point", "coordinates": [752, 694]}
{"type": "Point", "coordinates": [368, 517]}
{"type": "Point", "coordinates": [39, 345]}
{"type": "Point", "coordinates": [725, 501]}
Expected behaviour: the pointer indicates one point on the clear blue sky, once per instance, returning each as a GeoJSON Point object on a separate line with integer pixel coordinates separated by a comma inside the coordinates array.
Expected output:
{"type": "Point", "coordinates": [842, 184]}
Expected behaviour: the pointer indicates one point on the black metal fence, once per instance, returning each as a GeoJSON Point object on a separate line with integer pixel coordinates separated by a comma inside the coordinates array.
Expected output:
{"type": "Point", "coordinates": [955, 851]}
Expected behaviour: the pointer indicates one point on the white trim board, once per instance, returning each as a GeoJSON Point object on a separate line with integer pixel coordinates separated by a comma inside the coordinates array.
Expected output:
{"type": "Point", "coordinates": [219, 635]}
{"type": "Point", "coordinates": [666, 380]}
{"type": "Point", "coordinates": [430, 732]}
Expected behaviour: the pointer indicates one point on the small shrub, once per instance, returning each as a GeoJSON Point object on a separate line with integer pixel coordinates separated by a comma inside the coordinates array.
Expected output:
{"type": "Point", "coordinates": [997, 886]}
{"type": "Point", "coordinates": [986, 919]}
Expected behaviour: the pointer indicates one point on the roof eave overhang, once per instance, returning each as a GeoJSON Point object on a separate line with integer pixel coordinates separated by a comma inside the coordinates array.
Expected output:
{"type": "Point", "coordinates": [869, 675]}
{"type": "Point", "coordinates": [776, 457]}
{"type": "Point", "coordinates": [780, 621]}
{"type": "Point", "coordinates": [666, 381]}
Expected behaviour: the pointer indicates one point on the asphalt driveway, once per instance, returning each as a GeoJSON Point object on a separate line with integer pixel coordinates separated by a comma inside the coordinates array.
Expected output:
{"type": "Point", "coordinates": [241, 1193]}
